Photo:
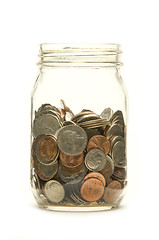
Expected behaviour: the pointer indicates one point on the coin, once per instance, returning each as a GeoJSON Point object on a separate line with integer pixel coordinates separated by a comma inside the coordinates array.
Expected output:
{"type": "Point", "coordinates": [46, 149]}
{"type": "Point", "coordinates": [107, 113]}
{"type": "Point", "coordinates": [72, 178]}
{"type": "Point", "coordinates": [116, 139]}
{"type": "Point", "coordinates": [97, 175]}
{"type": "Point", "coordinates": [108, 170]}
{"type": "Point", "coordinates": [114, 130]}
{"type": "Point", "coordinates": [71, 139]}
{"type": "Point", "coordinates": [34, 179]}
{"type": "Point", "coordinates": [45, 124]}
{"type": "Point", "coordinates": [72, 163]}
{"type": "Point", "coordinates": [46, 172]}
{"type": "Point", "coordinates": [119, 172]}
{"type": "Point", "coordinates": [88, 117]}
{"type": "Point", "coordinates": [112, 192]}
{"type": "Point", "coordinates": [92, 189]}
{"type": "Point", "coordinates": [95, 160]}
{"type": "Point", "coordinates": [118, 153]}
{"type": "Point", "coordinates": [99, 141]}
{"type": "Point", "coordinates": [118, 114]}
{"type": "Point", "coordinates": [54, 191]}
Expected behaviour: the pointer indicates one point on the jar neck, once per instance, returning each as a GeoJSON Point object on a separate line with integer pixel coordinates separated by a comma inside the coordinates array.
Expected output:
{"type": "Point", "coordinates": [79, 55]}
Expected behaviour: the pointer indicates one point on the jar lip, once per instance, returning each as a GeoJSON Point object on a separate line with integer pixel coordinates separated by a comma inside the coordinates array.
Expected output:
{"type": "Point", "coordinates": [85, 47]}
{"type": "Point", "coordinates": [80, 54]}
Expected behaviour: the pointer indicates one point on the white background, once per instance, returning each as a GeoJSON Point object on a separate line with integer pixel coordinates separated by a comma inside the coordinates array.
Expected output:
{"type": "Point", "coordinates": [26, 24]}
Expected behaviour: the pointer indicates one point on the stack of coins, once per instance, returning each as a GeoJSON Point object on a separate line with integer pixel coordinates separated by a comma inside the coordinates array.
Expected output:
{"type": "Point", "coordinates": [47, 120]}
{"type": "Point", "coordinates": [81, 161]}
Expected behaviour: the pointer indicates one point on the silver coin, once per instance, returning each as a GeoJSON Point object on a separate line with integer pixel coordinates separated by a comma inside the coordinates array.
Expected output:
{"type": "Point", "coordinates": [114, 140]}
{"type": "Point", "coordinates": [109, 168]}
{"type": "Point", "coordinates": [50, 170]}
{"type": "Point", "coordinates": [79, 115]}
{"type": "Point", "coordinates": [107, 114]}
{"type": "Point", "coordinates": [118, 153]}
{"type": "Point", "coordinates": [72, 178]}
{"type": "Point", "coordinates": [115, 130]}
{"type": "Point", "coordinates": [45, 106]}
{"type": "Point", "coordinates": [118, 114]}
{"type": "Point", "coordinates": [34, 180]}
{"type": "Point", "coordinates": [72, 139]}
{"type": "Point", "coordinates": [45, 124]}
{"type": "Point", "coordinates": [95, 160]}
{"type": "Point", "coordinates": [54, 191]}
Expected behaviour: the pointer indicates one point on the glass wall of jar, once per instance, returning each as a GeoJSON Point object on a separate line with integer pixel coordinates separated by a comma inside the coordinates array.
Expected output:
{"type": "Point", "coordinates": [78, 128]}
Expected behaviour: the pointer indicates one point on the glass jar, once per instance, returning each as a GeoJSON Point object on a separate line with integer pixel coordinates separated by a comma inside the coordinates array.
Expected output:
{"type": "Point", "coordinates": [78, 128]}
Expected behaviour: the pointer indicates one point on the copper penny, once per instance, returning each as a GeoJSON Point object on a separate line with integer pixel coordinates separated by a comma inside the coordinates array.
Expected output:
{"type": "Point", "coordinates": [99, 141]}
{"type": "Point", "coordinates": [46, 149]}
{"type": "Point", "coordinates": [112, 192]}
{"type": "Point", "coordinates": [92, 190]}
{"type": "Point", "coordinates": [97, 175]}
{"type": "Point", "coordinates": [72, 161]}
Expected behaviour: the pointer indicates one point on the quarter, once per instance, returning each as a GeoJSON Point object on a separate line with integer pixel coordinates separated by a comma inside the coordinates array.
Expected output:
{"type": "Point", "coordinates": [45, 124]}
{"type": "Point", "coordinates": [71, 139]}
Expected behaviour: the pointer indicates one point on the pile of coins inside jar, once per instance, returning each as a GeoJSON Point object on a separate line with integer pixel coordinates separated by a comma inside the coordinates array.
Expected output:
{"type": "Point", "coordinates": [80, 161]}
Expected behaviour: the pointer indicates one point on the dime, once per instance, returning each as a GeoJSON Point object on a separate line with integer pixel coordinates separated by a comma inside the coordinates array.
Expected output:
{"type": "Point", "coordinates": [45, 124]}
{"type": "Point", "coordinates": [54, 191]}
{"type": "Point", "coordinates": [46, 149]}
{"type": "Point", "coordinates": [72, 178]}
{"type": "Point", "coordinates": [118, 114]}
{"type": "Point", "coordinates": [46, 172]}
{"type": "Point", "coordinates": [112, 192]}
{"type": "Point", "coordinates": [99, 141]}
{"type": "Point", "coordinates": [92, 189]}
{"type": "Point", "coordinates": [109, 168]}
{"type": "Point", "coordinates": [95, 160]}
{"type": "Point", "coordinates": [107, 113]}
{"type": "Point", "coordinates": [71, 162]}
{"type": "Point", "coordinates": [118, 153]}
{"type": "Point", "coordinates": [71, 139]}
{"type": "Point", "coordinates": [97, 175]}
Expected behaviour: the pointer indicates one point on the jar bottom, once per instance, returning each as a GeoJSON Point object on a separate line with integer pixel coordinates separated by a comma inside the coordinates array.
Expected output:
{"type": "Point", "coordinates": [70, 207]}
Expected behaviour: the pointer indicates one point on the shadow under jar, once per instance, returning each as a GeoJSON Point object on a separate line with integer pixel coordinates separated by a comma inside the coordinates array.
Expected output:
{"type": "Point", "coordinates": [78, 128]}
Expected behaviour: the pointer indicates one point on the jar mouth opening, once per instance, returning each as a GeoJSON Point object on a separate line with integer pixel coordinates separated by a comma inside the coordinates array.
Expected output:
{"type": "Point", "coordinates": [85, 47]}
{"type": "Point", "coordinates": [52, 54]}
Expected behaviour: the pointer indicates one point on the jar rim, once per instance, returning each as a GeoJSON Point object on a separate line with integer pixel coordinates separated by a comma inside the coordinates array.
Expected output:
{"type": "Point", "coordinates": [109, 47]}
{"type": "Point", "coordinates": [80, 54]}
